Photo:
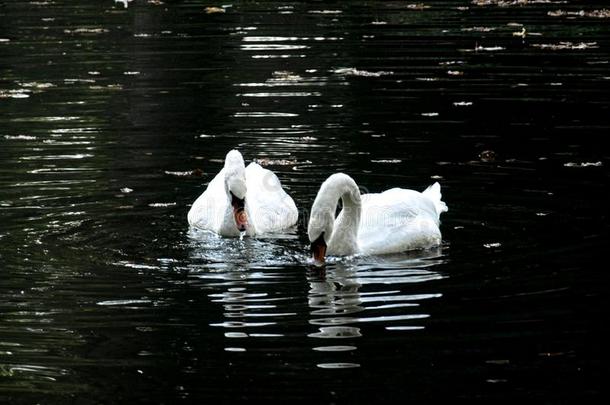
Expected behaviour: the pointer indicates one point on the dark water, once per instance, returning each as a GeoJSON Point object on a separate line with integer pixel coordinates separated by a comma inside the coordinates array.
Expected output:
{"type": "Point", "coordinates": [107, 114]}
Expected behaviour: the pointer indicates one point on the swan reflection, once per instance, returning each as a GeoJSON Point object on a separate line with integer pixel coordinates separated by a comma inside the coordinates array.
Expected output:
{"type": "Point", "coordinates": [259, 285]}
{"type": "Point", "coordinates": [350, 293]}
{"type": "Point", "coordinates": [247, 278]}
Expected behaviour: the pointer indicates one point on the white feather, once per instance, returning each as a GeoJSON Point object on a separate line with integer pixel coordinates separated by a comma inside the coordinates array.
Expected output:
{"type": "Point", "coordinates": [393, 221]}
{"type": "Point", "coordinates": [268, 207]}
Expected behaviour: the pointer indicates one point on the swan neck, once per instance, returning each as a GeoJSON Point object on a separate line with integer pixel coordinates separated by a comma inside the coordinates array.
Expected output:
{"type": "Point", "coordinates": [235, 175]}
{"type": "Point", "coordinates": [343, 188]}
{"type": "Point", "coordinates": [346, 224]}
{"type": "Point", "coordinates": [343, 230]}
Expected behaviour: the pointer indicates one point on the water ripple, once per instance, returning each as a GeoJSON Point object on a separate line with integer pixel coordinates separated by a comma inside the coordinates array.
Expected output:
{"type": "Point", "coordinates": [113, 120]}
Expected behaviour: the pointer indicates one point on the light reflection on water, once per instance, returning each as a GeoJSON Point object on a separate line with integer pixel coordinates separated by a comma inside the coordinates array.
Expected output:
{"type": "Point", "coordinates": [112, 119]}
{"type": "Point", "coordinates": [344, 296]}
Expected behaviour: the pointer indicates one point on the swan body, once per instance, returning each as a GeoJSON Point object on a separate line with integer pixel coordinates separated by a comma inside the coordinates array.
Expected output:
{"type": "Point", "coordinates": [269, 207]}
{"type": "Point", "coordinates": [243, 199]}
{"type": "Point", "coordinates": [394, 221]}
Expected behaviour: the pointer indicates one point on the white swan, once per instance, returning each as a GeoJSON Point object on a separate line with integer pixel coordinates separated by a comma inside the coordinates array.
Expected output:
{"type": "Point", "coordinates": [393, 221]}
{"type": "Point", "coordinates": [241, 199]}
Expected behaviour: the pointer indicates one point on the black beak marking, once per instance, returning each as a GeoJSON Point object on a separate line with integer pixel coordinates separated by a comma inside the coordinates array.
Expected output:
{"type": "Point", "coordinates": [239, 212]}
{"type": "Point", "coordinates": [318, 248]}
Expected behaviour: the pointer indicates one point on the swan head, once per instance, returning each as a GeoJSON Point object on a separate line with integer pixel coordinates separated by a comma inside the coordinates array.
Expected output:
{"type": "Point", "coordinates": [235, 184]}
{"type": "Point", "coordinates": [321, 226]}
{"type": "Point", "coordinates": [318, 249]}
{"type": "Point", "coordinates": [319, 230]}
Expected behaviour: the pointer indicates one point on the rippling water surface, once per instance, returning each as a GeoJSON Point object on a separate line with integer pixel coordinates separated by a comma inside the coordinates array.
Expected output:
{"type": "Point", "coordinates": [114, 116]}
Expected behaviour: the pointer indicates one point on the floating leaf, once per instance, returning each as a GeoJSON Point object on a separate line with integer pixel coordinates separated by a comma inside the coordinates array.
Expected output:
{"type": "Point", "coordinates": [567, 45]}
{"type": "Point", "coordinates": [214, 10]}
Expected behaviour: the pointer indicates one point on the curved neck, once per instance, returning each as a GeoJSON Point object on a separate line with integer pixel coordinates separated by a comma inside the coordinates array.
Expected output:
{"type": "Point", "coordinates": [235, 175]}
{"type": "Point", "coordinates": [344, 228]}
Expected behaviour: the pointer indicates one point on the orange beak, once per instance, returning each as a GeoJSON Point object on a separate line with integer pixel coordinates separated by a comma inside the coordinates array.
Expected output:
{"type": "Point", "coordinates": [318, 249]}
{"type": "Point", "coordinates": [239, 213]}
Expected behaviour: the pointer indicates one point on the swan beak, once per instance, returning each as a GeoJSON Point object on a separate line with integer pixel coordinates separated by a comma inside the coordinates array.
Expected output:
{"type": "Point", "coordinates": [318, 249]}
{"type": "Point", "coordinates": [239, 213]}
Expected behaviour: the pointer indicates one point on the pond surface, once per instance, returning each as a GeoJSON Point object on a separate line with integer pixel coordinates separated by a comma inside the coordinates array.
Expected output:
{"type": "Point", "coordinates": [113, 119]}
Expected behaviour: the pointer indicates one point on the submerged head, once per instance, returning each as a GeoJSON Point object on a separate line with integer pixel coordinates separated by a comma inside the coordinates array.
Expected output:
{"type": "Point", "coordinates": [235, 181]}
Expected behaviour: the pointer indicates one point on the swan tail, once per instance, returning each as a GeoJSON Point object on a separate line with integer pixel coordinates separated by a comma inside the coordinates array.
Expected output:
{"type": "Point", "coordinates": [433, 192]}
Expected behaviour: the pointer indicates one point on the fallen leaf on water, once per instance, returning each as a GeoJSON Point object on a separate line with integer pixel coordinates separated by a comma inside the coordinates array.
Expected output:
{"type": "Point", "coordinates": [492, 245]}
{"type": "Point", "coordinates": [417, 6]}
{"type": "Point", "coordinates": [214, 10]}
{"type": "Point", "coordinates": [489, 48]}
{"type": "Point", "coordinates": [361, 73]}
{"type": "Point", "coordinates": [567, 45]}
{"type": "Point", "coordinates": [161, 205]}
{"type": "Point", "coordinates": [86, 31]}
{"type": "Point", "coordinates": [195, 172]}
{"type": "Point", "coordinates": [521, 33]}
{"type": "Point", "coordinates": [603, 13]}
{"type": "Point", "coordinates": [487, 156]}
{"type": "Point", "coordinates": [279, 162]}
{"type": "Point", "coordinates": [478, 29]}
{"type": "Point", "coordinates": [508, 3]}
{"type": "Point", "coordinates": [583, 164]}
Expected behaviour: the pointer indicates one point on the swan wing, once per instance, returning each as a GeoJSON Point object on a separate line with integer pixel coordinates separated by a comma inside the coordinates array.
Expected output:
{"type": "Point", "coordinates": [269, 207]}
{"type": "Point", "coordinates": [211, 208]}
{"type": "Point", "coordinates": [397, 220]}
